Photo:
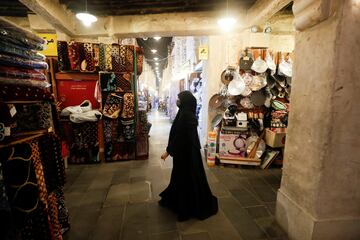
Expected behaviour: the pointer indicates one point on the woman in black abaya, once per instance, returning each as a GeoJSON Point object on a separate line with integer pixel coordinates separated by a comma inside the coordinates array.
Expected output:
{"type": "Point", "coordinates": [188, 193]}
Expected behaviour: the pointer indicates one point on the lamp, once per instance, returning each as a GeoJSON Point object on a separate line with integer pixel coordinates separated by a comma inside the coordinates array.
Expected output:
{"type": "Point", "coordinates": [86, 18]}
{"type": "Point", "coordinates": [226, 23]}
{"type": "Point", "coordinates": [153, 50]}
{"type": "Point", "coordinates": [157, 38]}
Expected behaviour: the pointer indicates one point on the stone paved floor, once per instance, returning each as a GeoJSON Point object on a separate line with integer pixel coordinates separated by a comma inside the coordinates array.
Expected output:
{"type": "Point", "coordinates": [119, 200]}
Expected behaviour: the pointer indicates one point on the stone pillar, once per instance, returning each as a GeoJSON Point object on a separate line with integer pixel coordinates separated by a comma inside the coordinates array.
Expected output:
{"type": "Point", "coordinates": [319, 196]}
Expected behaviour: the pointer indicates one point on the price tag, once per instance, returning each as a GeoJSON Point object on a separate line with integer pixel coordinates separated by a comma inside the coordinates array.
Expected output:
{"type": "Point", "coordinates": [12, 110]}
{"type": "Point", "coordinates": [7, 131]}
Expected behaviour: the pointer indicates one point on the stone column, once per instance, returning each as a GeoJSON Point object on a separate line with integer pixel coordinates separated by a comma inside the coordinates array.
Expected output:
{"type": "Point", "coordinates": [319, 196]}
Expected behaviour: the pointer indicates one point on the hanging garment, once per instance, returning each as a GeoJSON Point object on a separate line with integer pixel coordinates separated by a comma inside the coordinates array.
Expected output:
{"type": "Point", "coordinates": [108, 57]}
{"type": "Point", "coordinates": [102, 60]}
{"type": "Point", "coordinates": [113, 106]}
{"type": "Point", "coordinates": [87, 63]}
{"type": "Point", "coordinates": [52, 162]}
{"type": "Point", "coordinates": [115, 82]}
{"type": "Point", "coordinates": [54, 217]}
{"type": "Point", "coordinates": [128, 129]}
{"type": "Point", "coordinates": [20, 181]}
{"type": "Point", "coordinates": [63, 212]}
{"type": "Point", "coordinates": [63, 56]}
{"type": "Point", "coordinates": [128, 111]}
{"type": "Point", "coordinates": [115, 57]}
{"type": "Point", "coordinates": [139, 60]}
{"type": "Point", "coordinates": [96, 54]}
{"type": "Point", "coordinates": [74, 55]}
{"type": "Point", "coordinates": [188, 193]}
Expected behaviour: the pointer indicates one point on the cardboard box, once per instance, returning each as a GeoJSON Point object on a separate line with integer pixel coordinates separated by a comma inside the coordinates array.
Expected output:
{"type": "Point", "coordinates": [274, 139]}
{"type": "Point", "coordinates": [227, 147]}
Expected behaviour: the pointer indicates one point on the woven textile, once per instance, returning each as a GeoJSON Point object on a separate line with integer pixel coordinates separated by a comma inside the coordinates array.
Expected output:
{"type": "Point", "coordinates": [54, 217]}
{"type": "Point", "coordinates": [52, 162]}
{"type": "Point", "coordinates": [13, 72]}
{"type": "Point", "coordinates": [89, 58]}
{"type": "Point", "coordinates": [115, 82]}
{"type": "Point", "coordinates": [63, 213]}
{"type": "Point", "coordinates": [63, 56]}
{"type": "Point", "coordinates": [108, 57]}
{"type": "Point", "coordinates": [12, 61]}
{"type": "Point", "coordinates": [39, 172]}
{"type": "Point", "coordinates": [128, 111]}
{"type": "Point", "coordinates": [139, 60]}
{"type": "Point", "coordinates": [115, 57]}
{"type": "Point", "coordinates": [102, 61]}
{"type": "Point", "coordinates": [20, 181]}
{"type": "Point", "coordinates": [96, 54]}
{"type": "Point", "coordinates": [74, 56]}
{"type": "Point", "coordinates": [113, 106]}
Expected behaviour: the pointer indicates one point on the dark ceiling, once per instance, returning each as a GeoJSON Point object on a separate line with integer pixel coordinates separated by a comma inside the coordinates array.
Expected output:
{"type": "Point", "coordinates": [132, 7]}
{"type": "Point", "coordinates": [13, 8]}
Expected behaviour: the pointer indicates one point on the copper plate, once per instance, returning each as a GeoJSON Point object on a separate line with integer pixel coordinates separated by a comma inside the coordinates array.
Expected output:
{"type": "Point", "coordinates": [216, 101]}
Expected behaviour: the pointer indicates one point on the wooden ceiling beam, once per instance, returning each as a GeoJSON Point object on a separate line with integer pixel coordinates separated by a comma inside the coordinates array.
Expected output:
{"type": "Point", "coordinates": [54, 13]}
{"type": "Point", "coordinates": [263, 10]}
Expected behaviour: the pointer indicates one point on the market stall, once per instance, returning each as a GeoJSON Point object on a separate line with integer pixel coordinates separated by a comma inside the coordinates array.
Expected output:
{"type": "Point", "coordinates": [251, 109]}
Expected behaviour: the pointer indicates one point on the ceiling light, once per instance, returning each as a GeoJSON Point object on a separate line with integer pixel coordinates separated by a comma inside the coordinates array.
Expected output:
{"type": "Point", "coordinates": [156, 58]}
{"type": "Point", "coordinates": [254, 29]}
{"type": "Point", "coordinates": [157, 38]}
{"type": "Point", "coordinates": [86, 18]}
{"type": "Point", "coordinates": [153, 50]}
{"type": "Point", "coordinates": [226, 23]}
{"type": "Point", "coordinates": [267, 29]}
{"type": "Point", "coordinates": [157, 64]}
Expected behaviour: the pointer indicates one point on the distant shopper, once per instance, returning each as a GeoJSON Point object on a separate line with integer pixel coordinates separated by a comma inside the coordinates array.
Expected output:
{"type": "Point", "coordinates": [188, 193]}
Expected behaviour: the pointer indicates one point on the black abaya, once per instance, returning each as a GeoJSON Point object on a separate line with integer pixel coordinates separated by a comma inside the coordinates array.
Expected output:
{"type": "Point", "coordinates": [188, 193]}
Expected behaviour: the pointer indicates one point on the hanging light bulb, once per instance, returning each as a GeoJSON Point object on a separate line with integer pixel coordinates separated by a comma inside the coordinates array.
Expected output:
{"type": "Point", "coordinates": [227, 23]}
{"type": "Point", "coordinates": [86, 18]}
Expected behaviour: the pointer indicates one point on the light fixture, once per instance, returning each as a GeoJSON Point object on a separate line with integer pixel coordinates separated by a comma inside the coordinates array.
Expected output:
{"type": "Point", "coordinates": [157, 38]}
{"type": "Point", "coordinates": [226, 23]}
{"type": "Point", "coordinates": [156, 58]}
{"type": "Point", "coordinates": [157, 64]}
{"type": "Point", "coordinates": [153, 50]}
{"type": "Point", "coordinates": [86, 18]}
{"type": "Point", "coordinates": [254, 29]}
{"type": "Point", "coordinates": [267, 29]}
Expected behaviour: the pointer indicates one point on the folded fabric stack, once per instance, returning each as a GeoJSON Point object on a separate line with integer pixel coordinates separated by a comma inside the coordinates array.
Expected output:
{"type": "Point", "coordinates": [20, 64]}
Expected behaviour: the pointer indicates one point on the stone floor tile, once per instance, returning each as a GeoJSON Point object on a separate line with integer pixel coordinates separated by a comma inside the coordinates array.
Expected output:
{"type": "Point", "coordinates": [174, 235]}
{"type": "Point", "coordinates": [258, 212]}
{"type": "Point", "coordinates": [83, 223]}
{"type": "Point", "coordinates": [245, 197]}
{"type": "Point", "coordinates": [118, 195]}
{"type": "Point", "coordinates": [266, 194]}
{"type": "Point", "coordinates": [140, 192]}
{"type": "Point", "coordinates": [241, 220]}
{"type": "Point", "coordinates": [270, 226]}
{"type": "Point", "coordinates": [109, 224]}
{"type": "Point", "coordinates": [196, 236]}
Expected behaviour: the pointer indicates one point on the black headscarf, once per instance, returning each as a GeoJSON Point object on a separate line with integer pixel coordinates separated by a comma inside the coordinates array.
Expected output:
{"type": "Point", "coordinates": [187, 109]}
